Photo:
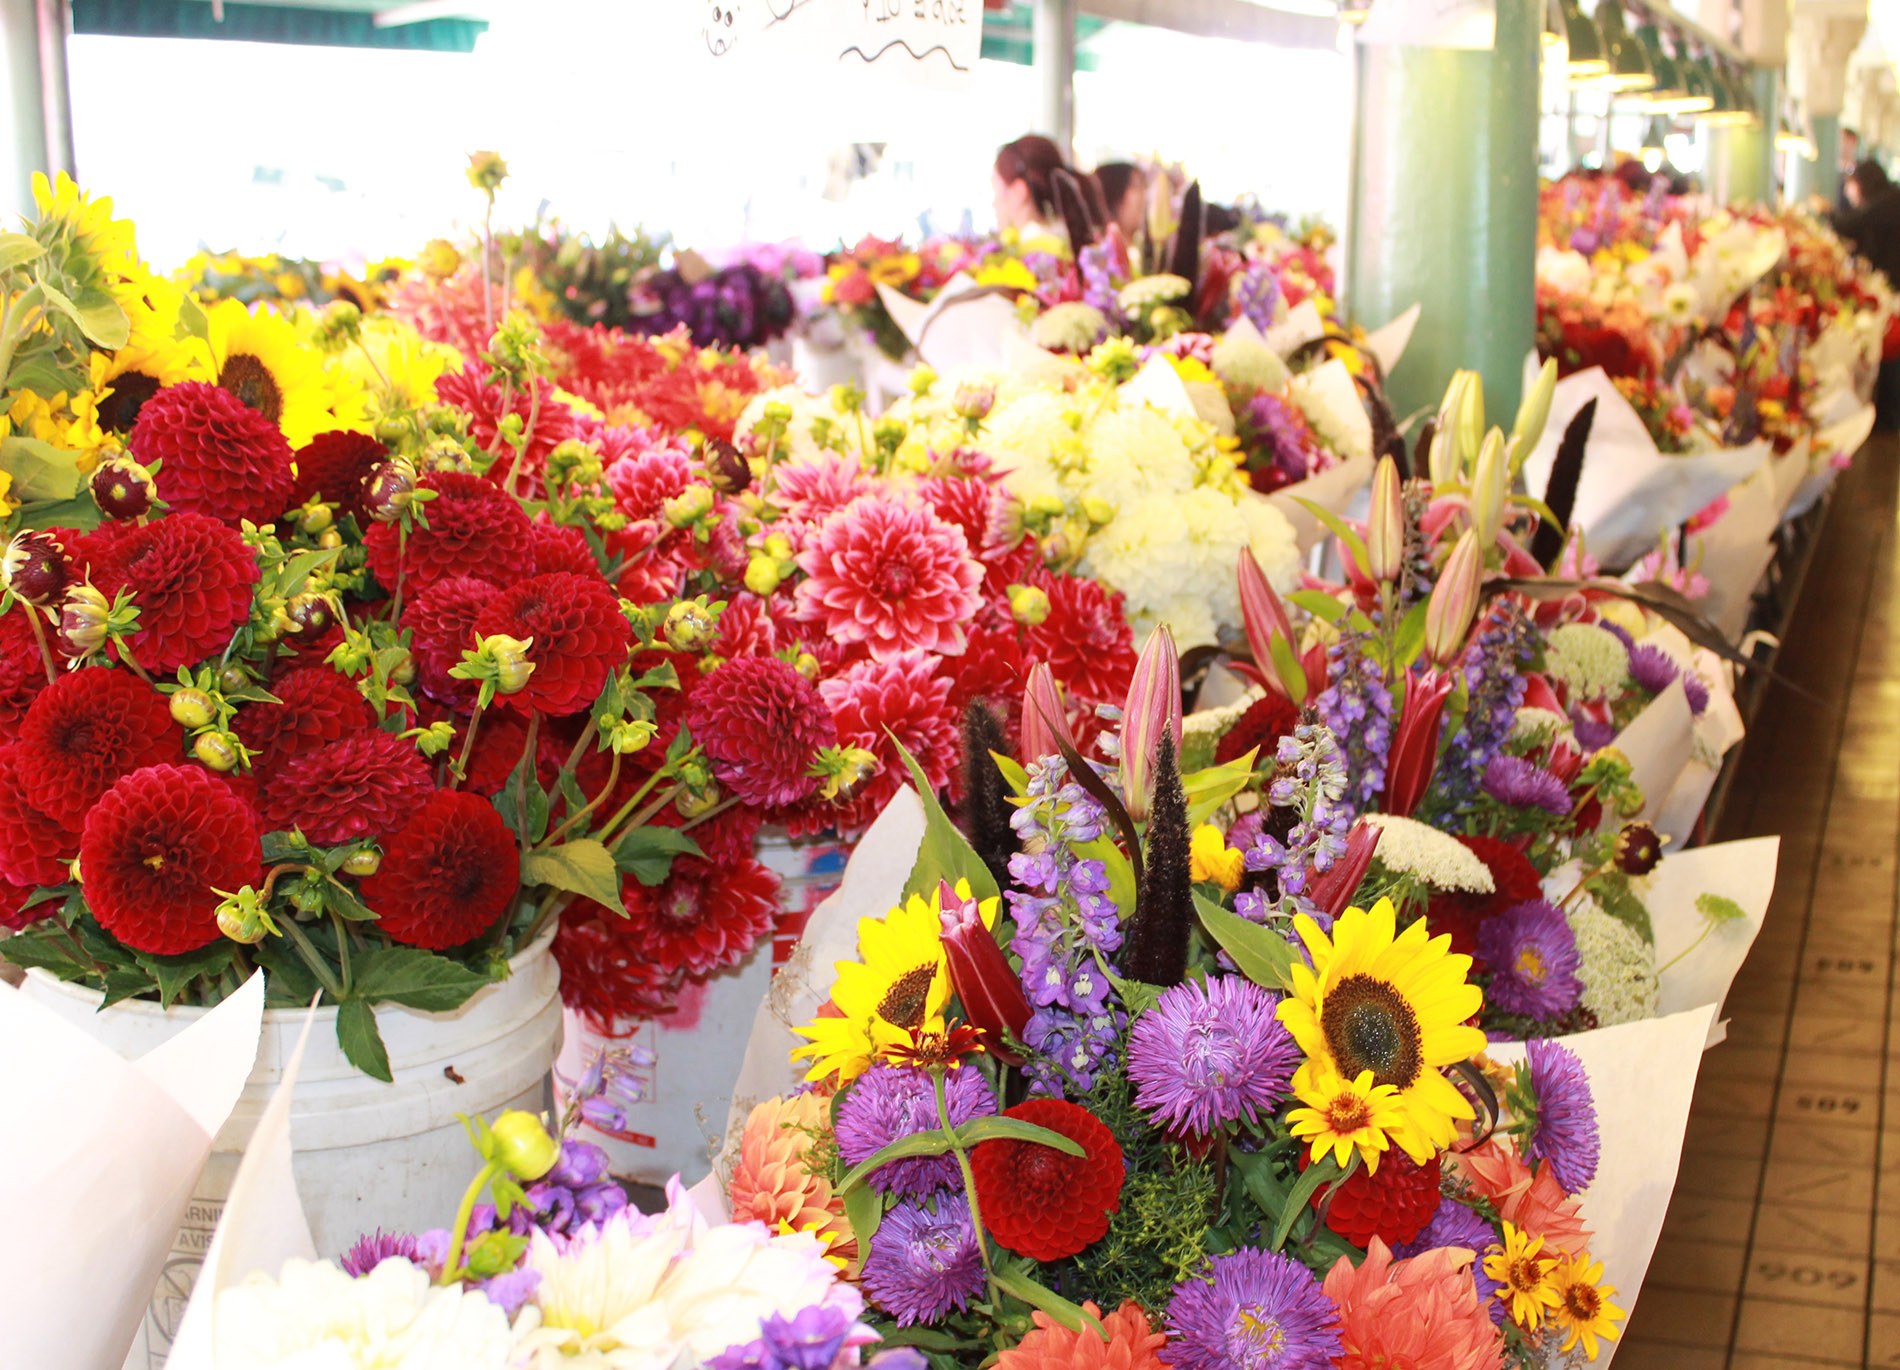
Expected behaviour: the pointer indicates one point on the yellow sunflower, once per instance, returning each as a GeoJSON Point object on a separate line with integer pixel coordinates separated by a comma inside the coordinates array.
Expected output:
{"type": "Point", "coordinates": [260, 359]}
{"type": "Point", "coordinates": [107, 240]}
{"type": "Point", "coordinates": [1393, 1005]}
{"type": "Point", "coordinates": [1341, 1115]}
{"type": "Point", "coordinates": [891, 997]}
{"type": "Point", "coordinates": [1583, 1308]}
{"type": "Point", "coordinates": [122, 381]}
{"type": "Point", "coordinates": [1523, 1273]}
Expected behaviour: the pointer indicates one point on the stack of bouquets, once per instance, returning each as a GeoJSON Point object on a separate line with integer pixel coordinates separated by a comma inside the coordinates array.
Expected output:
{"type": "Point", "coordinates": [213, 276]}
{"type": "Point", "coordinates": [853, 275]}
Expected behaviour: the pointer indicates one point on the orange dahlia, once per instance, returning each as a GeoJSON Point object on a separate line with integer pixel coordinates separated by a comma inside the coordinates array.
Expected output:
{"type": "Point", "coordinates": [1536, 1203]}
{"type": "Point", "coordinates": [1130, 1344]}
{"type": "Point", "coordinates": [1423, 1313]}
{"type": "Point", "coordinates": [773, 1181]}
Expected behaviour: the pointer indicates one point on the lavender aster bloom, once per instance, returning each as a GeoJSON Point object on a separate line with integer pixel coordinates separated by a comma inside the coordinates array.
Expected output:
{"type": "Point", "coordinates": [1252, 1310]}
{"type": "Point", "coordinates": [1210, 1053]}
{"type": "Point", "coordinates": [1513, 781]}
{"type": "Point", "coordinates": [1455, 1225]}
{"type": "Point", "coordinates": [889, 1102]}
{"type": "Point", "coordinates": [1533, 958]}
{"type": "Point", "coordinates": [1697, 692]}
{"type": "Point", "coordinates": [1652, 668]}
{"type": "Point", "coordinates": [924, 1260]}
{"type": "Point", "coordinates": [1566, 1136]}
{"type": "Point", "coordinates": [1280, 433]}
{"type": "Point", "coordinates": [373, 1248]}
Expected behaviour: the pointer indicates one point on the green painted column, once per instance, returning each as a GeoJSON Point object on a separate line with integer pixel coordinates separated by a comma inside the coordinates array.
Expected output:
{"type": "Point", "coordinates": [1443, 210]}
{"type": "Point", "coordinates": [1827, 156]}
{"type": "Point", "coordinates": [1747, 153]}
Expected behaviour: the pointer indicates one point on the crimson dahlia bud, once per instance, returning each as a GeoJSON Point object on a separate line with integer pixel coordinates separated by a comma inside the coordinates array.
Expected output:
{"type": "Point", "coordinates": [122, 488]}
{"type": "Point", "coordinates": [192, 708]}
{"type": "Point", "coordinates": [388, 490]}
{"type": "Point", "coordinates": [1639, 848]}
{"type": "Point", "coordinates": [992, 994]}
{"type": "Point", "coordinates": [34, 567]}
{"type": "Point", "coordinates": [306, 618]}
{"type": "Point", "coordinates": [727, 468]}
{"type": "Point", "coordinates": [83, 617]}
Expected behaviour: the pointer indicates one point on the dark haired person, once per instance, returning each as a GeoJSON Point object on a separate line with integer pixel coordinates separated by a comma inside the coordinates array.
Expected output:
{"type": "Point", "coordinates": [1022, 183]}
{"type": "Point", "coordinates": [1872, 226]}
{"type": "Point", "coordinates": [1125, 191]}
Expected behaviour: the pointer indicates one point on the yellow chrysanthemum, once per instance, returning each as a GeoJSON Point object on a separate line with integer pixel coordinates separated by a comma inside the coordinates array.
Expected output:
{"type": "Point", "coordinates": [1210, 858]}
{"type": "Point", "coordinates": [1523, 1272]}
{"type": "Point", "coordinates": [895, 994]}
{"type": "Point", "coordinates": [1584, 1310]}
{"type": "Point", "coordinates": [260, 359]}
{"type": "Point", "coordinates": [1341, 1115]}
{"type": "Point", "coordinates": [1395, 1005]}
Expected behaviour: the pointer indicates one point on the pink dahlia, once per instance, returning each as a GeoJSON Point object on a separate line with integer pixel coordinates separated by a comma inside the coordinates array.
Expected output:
{"type": "Point", "coordinates": [814, 488]}
{"type": "Point", "coordinates": [968, 503]}
{"type": "Point", "coordinates": [645, 480]}
{"type": "Point", "coordinates": [745, 629]}
{"type": "Point", "coordinates": [891, 575]}
{"type": "Point", "coordinates": [1085, 639]}
{"type": "Point", "coordinates": [704, 916]}
{"type": "Point", "coordinates": [762, 724]}
{"type": "Point", "coordinates": [553, 421]}
{"type": "Point", "coordinates": [902, 698]}
{"type": "Point", "coordinates": [1423, 1313]}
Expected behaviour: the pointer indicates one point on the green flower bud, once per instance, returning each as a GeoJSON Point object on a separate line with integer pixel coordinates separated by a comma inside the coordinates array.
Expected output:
{"type": "Point", "coordinates": [762, 575]}
{"type": "Point", "coordinates": [364, 863]}
{"type": "Point", "coordinates": [486, 172]}
{"type": "Point", "coordinates": [313, 518]}
{"type": "Point", "coordinates": [973, 400]}
{"type": "Point", "coordinates": [83, 619]}
{"type": "Point", "coordinates": [445, 454]}
{"type": "Point", "coordinates": [691, 626]}
{"type": "Point", "coordinates": [522, 1144]}
{"type": "Point", "coordinates": [329, 539]}
{"type": "Point", "coordinates": [630, 735]}
{"type": "Point", "coordinates": [193, 709]}
{"type": "Point", "coordinates": [216, 750]}
{"type": "Point", "coordinates": [1028, 604]}
{"type": "Point", "coordinates": [436, 738]}
{"type": "Point", "coordinates": [512, 667]}
{"type": "Point", "coordinates": [233, 678]}
{"type": "Point", "coordinates": [243, 918]}
{"type": "Point", "coordinates": [689, 506]}
{"type": "Point", "coordinates": [391, 430]}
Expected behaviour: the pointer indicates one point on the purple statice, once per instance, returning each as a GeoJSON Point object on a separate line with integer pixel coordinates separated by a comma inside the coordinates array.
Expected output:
{"type": "Point", "coordinates": [889, 1102]}
{"type": "Point", "coordinates": [924, 1259]}
{"type": "Point", "coordinates": [1520, 784]}
{"type": "Point", "coordinates": [1493, 667]}
{"type": "Point", "coordinates": [1210, 1053]}
{"type": "Point", "coordinates": [1533, 958]}
{"type": "Point", "coordinates": [812, 1339]}
{"type": "Point", "coordinates": [1252, 1310]}
{"type": "Point", "coordinates": [1565, 1137]}
{"type": "Point", "coordinates": [1455, 1225]}
{"type": "Point", "coordinates": [577, 1191]}
{"type": "Point", "coordinates": [373, 1248]}
{"type": "Point", "coordinates": [1357, 707]}
{"type": "Point", "coordinates": [1273, 428]}
{"type": "Point", "coordinates": [1257, 295]}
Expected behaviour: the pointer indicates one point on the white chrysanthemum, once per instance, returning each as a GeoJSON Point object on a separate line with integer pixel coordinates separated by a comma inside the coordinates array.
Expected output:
{"type": "Point", "coordinates": [1247, 363]}
{"type": "Point", "coordinates": [1032, 438]}
{"type": "Point", "coordinates": [1532, 722]}
{"type": "Point", "coordinates": [1679, 302]}
{"type": "Point", "coordinates": [317, 1318]}
{"type": "Point", "coordinates": [1137, 295]}
{"type": "Point", "coordinates": [1173, 556]}
{"type": "Point", "coordinates": [1618, 970]}
{"type": "Point", "coordinates": [1590, 661]}
{"type": "Point", "coordinates": [1423, 852]}
{"type": "Point", "coordinates": [1071, 326]}
{"type": "Point", "coordinates": [1216, 722]}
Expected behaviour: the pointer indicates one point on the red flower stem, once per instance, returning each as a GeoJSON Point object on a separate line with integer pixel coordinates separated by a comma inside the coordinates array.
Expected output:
{"type": "Point", "coordinates": [39, 636]}
{"type": "Point", "coordinates": [402, 565]}
{"type": "Point", "coordinates": [613, 776]}
{"type": "Point", "coordinates": [318, 967]}
{"type": "Point", "coordinates": [460, 768]}
{"type": "Point", "coordinates": [969, 1179]}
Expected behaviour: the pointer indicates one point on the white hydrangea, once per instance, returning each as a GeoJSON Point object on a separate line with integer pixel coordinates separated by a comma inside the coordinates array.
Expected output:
{"type": "Point", "coordinates": [1071, 326]}
{"type": "Point", "coordinates": [1590, 661]}
{"type": "Point", "coordinates": [1247, 363]}
{"type": "Point", "coordinates": [1423, 852]}
{"type": "Point", "coordinates": [1138, 294]}
{"type": "Point", "coordinates": [1618, 974]}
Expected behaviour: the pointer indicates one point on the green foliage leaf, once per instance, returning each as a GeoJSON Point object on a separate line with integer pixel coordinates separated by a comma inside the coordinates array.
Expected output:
{"type": "Point", "coordinates": [864, 1210]}
{"type": "Point", "coordinates": [1286, 665]}
{"type": "Point", "coordinates": [413, 978]}
{"type": "Point", "coordinates": [362, 1042]}
{"type": "Point", "coordinates": [1322, 606]}
{"type": "Point", "coordinates": [1263, 956]}
{"type": "Point", "coordinates": [1212, 786]}
{"type": "Point", "coordinates": [192, 322]}
{"type": "Point", "coordinates": [998, 1128]}
{"type": "Point", "coordinates": [1015, 774]}
{"type": "Point", "coordinates": [581, 865]}
{"type": "Point", "coordinates": [339, 899]}
{"type": "Point", "coordinates": [945, 854]}
{"type": "Point", "coordinates": [16, 249]}
{"type": "Point", "coordinates": [288, 982]}
{"type": "Point", "coordinates": [1013, 1279]}
{"type": "Point", "coordinates": [38, 950]}
{"type": "Point", "coordinates": [99, 316]}
{"type": "Point", "coordinates": [124, 984]}
{"type": "Point", "coordinates": [1337, 526]}
{"type": "Point", "coordinates": [40, 470]}
{"type": "Point", "coordinates": [1719, 910]}
{"type": "Point", "coordinates": [933, 1143]}
{"type": "Point", "coordinates": [1409, 641]}
{"type": "Point", "coordinates": [173, 973]}
{"type": "Point", "coordinates": [647, 853]}
{"type": "Point", "coordinates": [1323, 1171]}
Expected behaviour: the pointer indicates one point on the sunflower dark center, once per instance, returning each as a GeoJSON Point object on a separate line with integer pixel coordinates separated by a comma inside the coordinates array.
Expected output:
{"type": "Point", "coordinates": [251, 381]}
{"type": "Point", "coordinates": [1583, 1302]}
{"type": "Point", "coordinates": [1369, 1026]}
{"type": "Point", "coordinates": [894, 579]}
{"type": "Point", "coordinates": [120, 410]}
{"type": "Point", "coordinates": [903, 1003]}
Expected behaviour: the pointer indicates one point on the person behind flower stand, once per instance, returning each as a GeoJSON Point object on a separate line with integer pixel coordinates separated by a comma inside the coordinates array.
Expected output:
{"type": "Point", "coordinates": [1850, 158]}
{"type": "Point", "coordinates": [1125, 189]}
{"type": "Point", "coordinates": [1022, 183]}
{"type": "Point", "coordinates": [1872, 225]}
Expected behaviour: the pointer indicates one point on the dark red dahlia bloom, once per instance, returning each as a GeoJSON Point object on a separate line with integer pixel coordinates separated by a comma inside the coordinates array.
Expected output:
{"type": "Point", "coordinates": [441, 623]}
{"type": "Point", "coordinates": [447, 875]}
{"type": "Point", "coordinates": [1459, 915]}
{"type": "Point", "coordinates": [192, 578]}
{"type": "Point", "coordinates": [560, 547]}
{"type": "Point", "coordinates": [331, 466]}
{"type": "Point", "coordinates": [22, 669]}
{"type": "Point", "coordinates": [14, 913]}
{"type": "Point", "coordinates": [1043, 1203]}
{"type": "Point", "coordinates": [579, 634]}
{"type": "Point", "coordinates": [157, 847]}
{"type": "Point", "coordinates": [34, 846]}
{"type": "Point", "coordinates": [319, 705]}
{"type": "Point", "coordinates": [220, 458]}
{"type": "Point", "coordinates": [362, 785]}
{"type": "Point", "coordinates": [704, 916]}
{"type": "Point", "coordinates": [475, 529]}
{"type": "Point", "coordinates": [762, 724]}
{"type": "Point", "coordinates": [1265, 722]}
{"type": "Point", "coordinates": [1393, 1203]}
{"type": "Point", "coordinates": [991, 669]}
{"type": "Point", "coordinates": [607, 978]}
{"type": "Point", "coordinates": [85, 731]}
{"type": "Point", "coordinates": [1085, 639]}
{"type": "Point", "coordinates": [905, 697]}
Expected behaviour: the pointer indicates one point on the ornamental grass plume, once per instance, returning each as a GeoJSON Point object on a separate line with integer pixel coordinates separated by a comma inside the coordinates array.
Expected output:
{"type": "Point", "coordinates": [1157, 947]}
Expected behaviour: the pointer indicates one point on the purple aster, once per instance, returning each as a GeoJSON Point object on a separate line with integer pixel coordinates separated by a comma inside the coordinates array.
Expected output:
{"type": "Point", "coordinates": [1209, 1053]}
{"type": "Point", "coordinates": [809, 1341]}
{"type": "Point", "coordinates": [373, 1248]}
{"type": "Point", "coordinates": [1519, 784]}
{"type": "Point", "coordinates": [1456, 1225]}
{"type": "Point", "coordinates": [889, 1102]}
{"type": "Point", "coordinates": [1252, 1310]}
{"type": "Point", "coordinates": [1652, 669]}
{"type": "Point", "coordinates": [1566, 1134]}
{"type": "Point", "coordinates": [1697, 692]}
{"type": "Point", "coordinates": [924, 1260]}
{"type": "Point", "coordinates": [1533, 958]}
{"type": "Point", "coordinates": [1617, 631]}
{"type": "Point", "coordinates": [1592, 735]}
{"type": "Point", "coordinates": [1281, 434]}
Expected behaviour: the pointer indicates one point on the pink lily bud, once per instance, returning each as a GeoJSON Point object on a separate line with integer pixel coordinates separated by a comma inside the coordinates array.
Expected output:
{"type": "Point", "coordinates": [1045, 720]}
{"type": "Point", "coordinates": [1333, 889]}
{"type": "Point", "coordinates": [992, 995]}
{"type": "Point", "coordinates": [1385, 523]}
{"type": "Point", "coordinates": [1265, 618]}
{"type": "Point", "coordinates": [1154, 704]}
{"type": "Point", "coordinates": [1414, 754]}
{"type": "Point", "coordinates": [1454, 600]}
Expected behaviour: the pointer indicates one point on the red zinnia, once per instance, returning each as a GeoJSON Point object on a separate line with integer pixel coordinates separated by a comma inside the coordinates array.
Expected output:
{"type": "Point", "coordinates": [905, 697]}
{"type": "Point", "coordinates": [762, 724]}
{"type": "Point", "coordinates": [192, 578]}
{"type": "Point", "coordinates": [157, 848]}
{"type": "Point", "coordinates": [448, 875]}
{"type": "Point", "coordinates": [34, 848]}
{"type": "Point", "coordinates": [891, 575]}
{"type": "Point", "coordinates": [559, 547]}
{"type": "Point", "coordinates": [1043, 1203]}
{"type": "Point", "coordinates": [475, 529]}
{"type": "Point", "coordinates": [1265, 722]}
{"type": "Point", "coordinates": [362, 785]}
{"type": "Point", "coordinates": [221, 458]}
{"type": "Point", "coordinates": [1392, 1203]}
{"type": "Point", "coordinates": [331, 466]}
{"type": "Point", "coordinates": [85, 731]}
{"type": "Point", "coordinates": [704, 916]}
{"type": "Point", "coordinates": [441, 624]}
{"type": "Point", "coordinates": [22, 668]}
{"type": "Point", "coordinates": [579, 635]}
{"type": "Point", "coordinates": [1085, 640]}
{"type": "Point", "coordinates": [319, 705]}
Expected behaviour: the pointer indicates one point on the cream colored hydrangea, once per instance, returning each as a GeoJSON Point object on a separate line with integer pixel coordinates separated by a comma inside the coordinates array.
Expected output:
{"type": "Point", "coordinates": [1138, 294]}
{"type": "Point", "coordinates": [1590, 661]}
{"type": "Point", "coordinates": [1246, 363]}
{"type": "Point", "coordinates": [1618, 974]}
{"type": "Point", "coordinates": [1071, 326]}
{"type": "Point", "coordinates": [1435, 858]}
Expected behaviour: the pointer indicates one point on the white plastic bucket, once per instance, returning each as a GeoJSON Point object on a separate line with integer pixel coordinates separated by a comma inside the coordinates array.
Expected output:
{"type": "Point", "coordinates": [367, 1154]}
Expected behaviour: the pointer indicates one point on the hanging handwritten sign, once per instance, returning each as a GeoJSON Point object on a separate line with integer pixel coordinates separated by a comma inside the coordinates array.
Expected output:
{"type": "Point", "coordinates": [927, 42]}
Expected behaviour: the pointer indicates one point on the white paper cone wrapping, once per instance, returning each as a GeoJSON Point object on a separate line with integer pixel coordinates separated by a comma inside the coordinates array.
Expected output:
{"type": "Point", "coordinates": [1737, 548]}
{"type": "Point", "coordinates": [1740, 871]}
{"type": "Point", "coordinates": [1659, 742]}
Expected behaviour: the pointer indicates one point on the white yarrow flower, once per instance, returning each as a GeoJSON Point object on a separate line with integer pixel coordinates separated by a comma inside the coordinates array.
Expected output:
{"type": "Point", "coordinates": [1247, 363]}
{"type": "Point", "coordinates": [1423, 852]}
{"type": "Point", "coordinates": [1137, 295]}
{"type": "Point", "coordinates": [1590, 661]}
{"type": "Point", "coordinates": [1618, 970]}
{"type": "Point", "coordinates": [1068, 327]}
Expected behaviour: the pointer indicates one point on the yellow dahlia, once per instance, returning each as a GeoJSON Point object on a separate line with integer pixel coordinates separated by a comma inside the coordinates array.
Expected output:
{"type": "Point", "coordinates": [777, 1180]}
{"type": "Point", "coordinates": [1394, 1005]}
{"type": "Point", "coordinates": [260, 359]}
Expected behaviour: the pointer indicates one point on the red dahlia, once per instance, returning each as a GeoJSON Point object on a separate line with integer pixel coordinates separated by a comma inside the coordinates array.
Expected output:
{"type": "Point", "coordinates": [1265, 722]}
{"type": "Point", "coordinates": [704, 916]}
{"type": "Point", "coordinates": [1085, 639]}
{"type": "Point", "coordinates": [22, 669]}
{"type": "Point", "coordinates": [1393, 1203]}
{"type": "Point", "coordinates": [331, 466]}
{"type": "Point", "coordinates": [14, 913]}
{"type": "Point", "coordinates": [34, 848]}
{"type": "Point", "coordinates": [220, 458]}
{"type": "Point", "coordinates": [157, 847]}
{"type": "Point", "coordinates": [874, 700]}
{"type": "Point", "coordinates": [1043, 1203]}
{"type": "Point", "coordinates": [1513, 876]}
{"type": "Point", "coordinates": [560, 547]}
{"type": "Point", "coordinates": [553, 421]}
{"type": "Point", "coordinates": [580, 636]}
{"type": "Point", "coordinates": [85, 731]}
{"type": "Point", "coordinates": [968, 503]}
{"type": "Point", "coordinates": [475, 529]}
{"type": "Point", "coordinates": [319, 705]}
{"type": "Point", "coordinates": [606, 977]}
{"type": "Point", "coordinates": [645, 480]}
{"type": "Point", "coordinates": [762, 724]}
{"type": "Point", "coordinates": [362, 785]}
{"type": "Point", "coordinates": [192, 578]}
{"type": "Point", "coordinates": [441, 623]}
{"type": "Point", "coordinates": [447, 875]}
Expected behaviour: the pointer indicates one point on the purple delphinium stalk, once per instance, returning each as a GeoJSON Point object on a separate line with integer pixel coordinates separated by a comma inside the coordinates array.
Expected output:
{"type": "Point", "coordinates": [1257, 295]}
{"type": "Point", "coordinates": [924, 1260]}
{"type": "Point", "coordinates": [810, 1340]}
{"type": "Point", "coordinates": [373, 1248]}
{"type": "Point", "coordinates": [613, 1082]}
{"type": "Point", "coordinates": [1455, 1225]}
{"type": "Point", "coordinates": [1533, 958]}
{"type": "Point", "coordinates": [577, 1191]}
{"type": "Point", "coordinates": [1210, 1053]}
{"type": "Point", "coordinates": [1493, 667]}
{"type": "Point", "coordinates": [1566, 1136]}
{"type": "Point", "coordinates": [1098, 283]}
{"type": "Point", "coordinates": [1255, 1309]}
{"type": "Point", "coordinates": [1358, 709]}
{"type": "Point", "coordinates": [889, 1102]}
{"type": "Point", "coordinates": [1520, 784]}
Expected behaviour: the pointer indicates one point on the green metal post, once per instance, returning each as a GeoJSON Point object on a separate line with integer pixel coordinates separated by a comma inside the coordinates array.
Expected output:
{"type": "Point", "coordinates": [22, 97]}
{"type": "Point", "coordinates": [1827, 156]}
{"type": "Point", "coordinates": [1443, 210]}
{"type": "Point", "coordinates": [1747, 152]}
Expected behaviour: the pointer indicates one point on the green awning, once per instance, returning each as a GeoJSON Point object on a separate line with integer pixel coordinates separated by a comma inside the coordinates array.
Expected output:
{"type": "Point", "coordinates": [335, 28]}
{"type": "Point", "coordinates": [1007, 38]}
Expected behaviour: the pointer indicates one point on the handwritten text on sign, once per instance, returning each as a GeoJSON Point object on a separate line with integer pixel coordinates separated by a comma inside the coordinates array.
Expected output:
{"type": "Point", "coordinates": [933, 42]}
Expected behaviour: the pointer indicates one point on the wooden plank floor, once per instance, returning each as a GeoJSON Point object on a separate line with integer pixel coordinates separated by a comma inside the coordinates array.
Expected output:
{"type": "Point", "coordinates": [1782, 1246]}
